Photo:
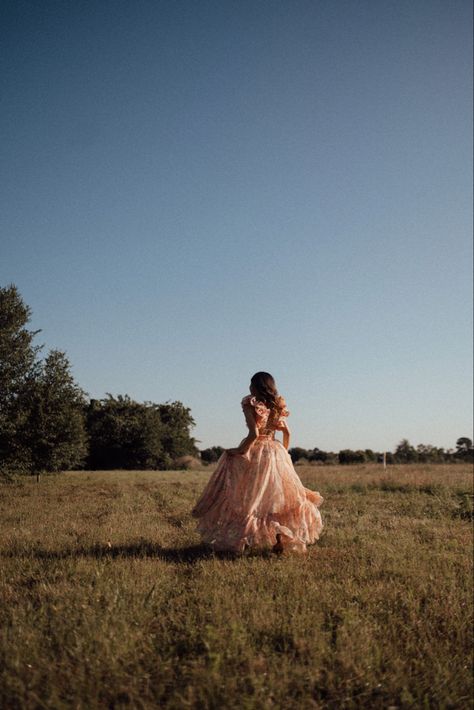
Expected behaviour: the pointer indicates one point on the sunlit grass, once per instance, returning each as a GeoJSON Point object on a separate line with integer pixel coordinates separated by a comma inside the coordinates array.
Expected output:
{"type": "Point", "coordinates": [109, 600]}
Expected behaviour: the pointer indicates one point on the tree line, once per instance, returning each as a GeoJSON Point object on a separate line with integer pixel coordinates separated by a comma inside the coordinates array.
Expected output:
{"type": "Point", "coordinates": [404, 453]}
{"type": "Point", "coordinates": [48, 424]}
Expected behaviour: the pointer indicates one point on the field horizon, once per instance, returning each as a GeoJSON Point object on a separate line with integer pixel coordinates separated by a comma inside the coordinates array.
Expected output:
{"type": "Point", "coordinates": [109, 599]}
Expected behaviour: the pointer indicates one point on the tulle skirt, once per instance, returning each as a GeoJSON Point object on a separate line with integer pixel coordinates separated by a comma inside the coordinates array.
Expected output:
{"type": "Point", "coordinates": [250, 499]}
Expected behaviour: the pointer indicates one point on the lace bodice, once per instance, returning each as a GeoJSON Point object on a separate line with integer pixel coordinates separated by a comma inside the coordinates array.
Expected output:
{"type": "Point", "coordinates": [267, 422]}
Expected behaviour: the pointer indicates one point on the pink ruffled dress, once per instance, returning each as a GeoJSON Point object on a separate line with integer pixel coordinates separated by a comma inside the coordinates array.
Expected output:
{"type": "Point", "coordinates": [251, 498]}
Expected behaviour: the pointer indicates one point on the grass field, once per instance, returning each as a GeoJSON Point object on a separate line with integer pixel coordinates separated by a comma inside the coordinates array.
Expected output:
{"type": "Point", "coordinates": [108, 600]}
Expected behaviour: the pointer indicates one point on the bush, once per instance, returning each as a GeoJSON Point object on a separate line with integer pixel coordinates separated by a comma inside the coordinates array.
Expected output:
{"type": "Point", "coordinates": [187, 463]}
{"type": "Point", "coordinates": [347, 456]}
{"type": "Point", "coordinates": [211, 455]}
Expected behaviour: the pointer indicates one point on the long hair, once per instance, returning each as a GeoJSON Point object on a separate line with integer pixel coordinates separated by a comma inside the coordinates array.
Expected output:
{"type": "Point", "coordinates": [267, 392]}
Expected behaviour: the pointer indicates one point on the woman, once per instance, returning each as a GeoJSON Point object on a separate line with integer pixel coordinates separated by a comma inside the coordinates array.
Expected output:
{"type": "Point", "coordinates": [255, 498]}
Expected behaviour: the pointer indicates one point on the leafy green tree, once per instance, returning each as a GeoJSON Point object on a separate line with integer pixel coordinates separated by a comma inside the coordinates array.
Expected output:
{"type": "Point", "coordinates": [370, 455]}
{"type": "Point", "coordinates": [177, 422]}
{"type": "Point", "coordinates": [127, 434]}
{"type": "Point", "coordinates": [212, 454]}
{"type": "Point", "coordinates": [347, 456]}
{"type": "Point", "coordinates": [464, 448]}
{"type": "Point", "coordinates": [53, 433]}
{"type": "Point", "coordinates": [317, 455]}
{"type": "Point", "coordinates": [463, 444]}
{"type": "Point", "coordinates": [18, 366]}
{"type": "Point", "coordinates": [297, 453]}
{"type": "Point", "coordinates": [405, 452]}
{"type": "Point", "coordinates": [427, 453]}
{"type": "Point", "coordinates": [41, 407]}
{"type": "Point", "coordinates": [124, 434]}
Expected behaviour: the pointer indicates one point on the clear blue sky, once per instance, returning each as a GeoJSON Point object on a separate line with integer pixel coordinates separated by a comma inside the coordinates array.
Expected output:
{"type": "Point", "coordinates": [194, 191]}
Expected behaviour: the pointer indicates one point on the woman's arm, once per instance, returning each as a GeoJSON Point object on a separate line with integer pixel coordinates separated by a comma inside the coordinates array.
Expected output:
{"type": "Point", "coordinates": [246, 443]}
{"type": "Point", "coordinates": [286, 435]}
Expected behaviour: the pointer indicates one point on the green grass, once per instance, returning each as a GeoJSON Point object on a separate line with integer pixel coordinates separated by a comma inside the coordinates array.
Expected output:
{"type": "Point", "coordinates": [108, 600]}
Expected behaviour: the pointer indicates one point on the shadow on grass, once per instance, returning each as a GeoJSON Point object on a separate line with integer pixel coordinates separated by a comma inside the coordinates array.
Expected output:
{"type": "Point", "coordinates": [192, 553]}
{"type": "Point", "coordinates": [143, 549]}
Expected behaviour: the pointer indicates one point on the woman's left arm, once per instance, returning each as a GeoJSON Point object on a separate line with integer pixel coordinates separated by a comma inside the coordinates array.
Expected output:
{"type": "Point", "coordinates": [286, 435]}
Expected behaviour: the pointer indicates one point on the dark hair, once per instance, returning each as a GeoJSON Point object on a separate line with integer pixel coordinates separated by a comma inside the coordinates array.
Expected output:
{"type": "Point", "coordinates": [267, 392]}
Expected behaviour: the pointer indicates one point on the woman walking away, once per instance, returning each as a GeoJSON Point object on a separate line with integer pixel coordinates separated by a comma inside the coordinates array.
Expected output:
{"type": "Point", "coordinates": [255, 498]}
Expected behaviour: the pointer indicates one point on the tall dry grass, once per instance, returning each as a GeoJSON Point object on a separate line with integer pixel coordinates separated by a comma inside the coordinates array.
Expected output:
{"type": "Point", "coordinates": [108, 600]}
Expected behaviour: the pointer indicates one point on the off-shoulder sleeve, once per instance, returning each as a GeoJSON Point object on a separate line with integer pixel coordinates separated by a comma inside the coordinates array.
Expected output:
{"type": "Point", "coordinates": [248, 407]}
{"type": "Point", "coordinates": [246, 401]}
{"type": "Point", "coordinates": [260, 409]}
{"type": "Point", "coordinates": [283, 413]}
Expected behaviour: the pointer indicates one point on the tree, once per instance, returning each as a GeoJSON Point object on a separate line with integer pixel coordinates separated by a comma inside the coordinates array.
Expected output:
{"type": "Point", "coordinates": [177, 422]}
{"type": "Point", "coordinates": [124, 434]}
{"type": "Point", "coordinates": [297, 453]}
{"type": "Point", "coordinates": [429, 453]}
{"type": "Point", "coordinates": [317, 455]}
{"type": "Point", "coordinates": [127, 434]}
{"type": "Point", "coordinates": [405, 452]}
{"type": "Point", "coordinates": [53, 434]}
{"type": "Point", "coordinates": [464, 448]}
{"type": "Point", "coordinates": [370, 455]}
{"type": "Point", "coordinates": [212, 455]}
{"type": "Point", "coordinates": [41, 407]}
{"type": "Point", "coordinates": [463, 444]}
{"type": "Point", "coordinates": [18, 365]}
{"type": "Point", "coordinates": [347, 456]}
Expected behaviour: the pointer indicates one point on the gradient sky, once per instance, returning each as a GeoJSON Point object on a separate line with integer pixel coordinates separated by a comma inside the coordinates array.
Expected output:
{"type": "Point", "coordinates": [193, 191]}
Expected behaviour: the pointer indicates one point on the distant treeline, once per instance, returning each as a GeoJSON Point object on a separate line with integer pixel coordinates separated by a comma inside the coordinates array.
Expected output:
{"type": "Point", "coordinates": [404, 453]}
{"type": "Point", "coordinates": [48, 424]}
